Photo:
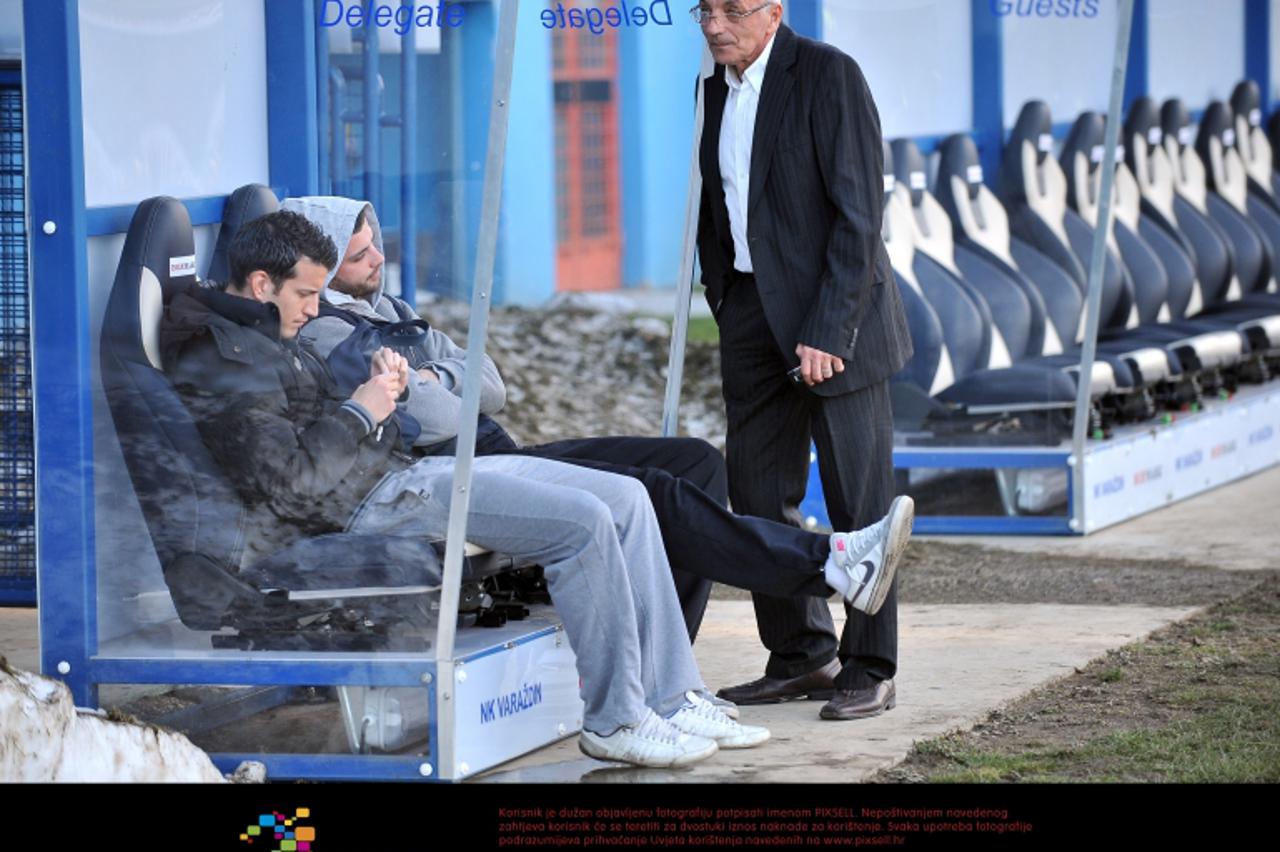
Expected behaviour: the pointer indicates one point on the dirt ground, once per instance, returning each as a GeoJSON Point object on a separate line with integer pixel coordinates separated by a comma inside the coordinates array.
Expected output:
{"type": "Point", "coordinates": [934, 572]}
{"type": "Point", "coordinates": [1198, 701]}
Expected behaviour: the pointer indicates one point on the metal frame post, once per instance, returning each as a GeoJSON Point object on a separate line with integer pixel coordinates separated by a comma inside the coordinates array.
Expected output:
{"type": "Point", "coordinates": [477, 333]}
{"type": "Point", "coordinates": [1257, 48]}
{"type": "Point", "coordinates": [1093, 298]}
{"type": "Point", "coordinates": [61, 364]}
{"type": "Point", "coordinates": [293, 138]}
{"type": "Point", "coordinates": [323, 108]}
{"type": "Point", "coordinates": [684, 281]}
{"type": "Point", "coordinates": [372, 113]}
{"type": "Point", "coordinates": [1138, 78]}
{"type": "Point", "coordinates": [408, 166]}
{"type": "Point", "coordinates": [987, 58]}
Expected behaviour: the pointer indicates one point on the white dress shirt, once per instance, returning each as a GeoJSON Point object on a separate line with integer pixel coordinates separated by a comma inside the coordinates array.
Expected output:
{"type": "Point", "coordinates": [737, 130]}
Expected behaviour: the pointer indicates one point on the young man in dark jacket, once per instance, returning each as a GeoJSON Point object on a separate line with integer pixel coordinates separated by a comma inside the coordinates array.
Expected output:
{"type": "Point", "coordinates": [320, 462]}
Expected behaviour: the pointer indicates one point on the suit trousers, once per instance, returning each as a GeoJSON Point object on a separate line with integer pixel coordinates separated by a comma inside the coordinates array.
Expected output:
{"type": "Point", "coordinates": [770, 424]}
{"type": "Point", "coordinates": [686, 482]}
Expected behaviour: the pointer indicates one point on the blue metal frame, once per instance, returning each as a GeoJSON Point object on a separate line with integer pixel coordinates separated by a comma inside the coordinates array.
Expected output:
{"type": "Point", "coordinates": [372, 112]}
{"type": "Point", "coordinates": [1137, 81]}
{"type": "Point", "coordinates": [356, 670]}
{"type": "Point", "coordinates": [906, 458]}
{"type": "Point", "coordinates": [205, 210]}
{"type": "Point", "coordinates": [293, 137]}
{"type": "Point", "coordinates": [1257, 47]}
{"type": "Point", "coordinates": [988, 85]}
{"type": "Point", "coordinates": [335, 767]}
{"type": "Point", "coordinates": [408, 166]}
{"type": "Point", "coordinates": [61, 361]}
{"type": "Point", "coordinates": [323, 106]}
{"type": "Point", "coordinates": [982, 460]}
{"type": "Point", "coordinates": [17, 595]}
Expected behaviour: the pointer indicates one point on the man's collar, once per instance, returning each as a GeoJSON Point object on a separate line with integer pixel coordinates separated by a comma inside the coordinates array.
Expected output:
{"type": "Point", "coordinates": [754, 75]}
{"type": "Point", "coordinates": [250, 313]}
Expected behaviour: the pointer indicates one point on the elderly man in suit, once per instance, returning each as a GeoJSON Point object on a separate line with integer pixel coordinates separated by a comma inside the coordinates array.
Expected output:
{"type": "Point", "coordinates": [811, 323]}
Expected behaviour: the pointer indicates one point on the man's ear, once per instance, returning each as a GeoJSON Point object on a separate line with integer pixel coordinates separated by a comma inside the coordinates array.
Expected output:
{"type": "Point", "coordinates": [259, 286]}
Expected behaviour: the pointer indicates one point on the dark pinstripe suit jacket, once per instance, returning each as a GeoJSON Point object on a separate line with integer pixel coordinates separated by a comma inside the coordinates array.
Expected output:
{"type": "Point", "coordinates": [813, 213]}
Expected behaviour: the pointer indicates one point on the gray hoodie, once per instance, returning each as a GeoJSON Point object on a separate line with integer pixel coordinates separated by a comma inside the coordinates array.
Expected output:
{"type": "Point", "coordinates": [435, 405]}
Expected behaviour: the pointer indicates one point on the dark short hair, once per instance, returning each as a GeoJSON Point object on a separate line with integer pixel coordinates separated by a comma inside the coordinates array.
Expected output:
{"type": "Point", "coordinates": [364, 212]}
{"type": "Point", "coordinates": [275, 243]}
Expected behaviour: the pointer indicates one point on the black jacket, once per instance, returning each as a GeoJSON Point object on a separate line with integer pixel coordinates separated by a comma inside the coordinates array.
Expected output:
{"type": "Point", "coordinates": [813, 213]}
{"type": "Point", "coordinates": [268, 412]}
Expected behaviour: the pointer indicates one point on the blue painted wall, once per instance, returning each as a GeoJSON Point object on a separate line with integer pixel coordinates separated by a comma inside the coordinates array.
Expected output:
{"type": "Point", "coordinates": [658, 68]}
{"type": "Point", "coordinates": [527, 233]}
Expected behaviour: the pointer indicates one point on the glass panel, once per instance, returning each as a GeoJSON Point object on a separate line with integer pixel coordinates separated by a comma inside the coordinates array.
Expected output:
{"type": "Point", "coordinates": [197, 558]}
{"type": "Point", "coordinates": [166, 125]}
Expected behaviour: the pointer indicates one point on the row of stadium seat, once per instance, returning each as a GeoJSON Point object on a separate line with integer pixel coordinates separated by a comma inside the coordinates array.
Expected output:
{"type": "Point", "coordinates": [995, 283]}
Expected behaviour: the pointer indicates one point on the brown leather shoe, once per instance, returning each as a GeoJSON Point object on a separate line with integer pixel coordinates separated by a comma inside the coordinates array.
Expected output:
{"type": "Point", "coordinates": [860, 703]}
{"type": "Point", "coordinates": [817, 685]}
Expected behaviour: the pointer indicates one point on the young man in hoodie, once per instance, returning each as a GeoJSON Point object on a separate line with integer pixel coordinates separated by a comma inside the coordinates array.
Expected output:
{"type": "Point", "coordinates": [319, 460]}
{"type": "Point", "coordinates": [685, 477]}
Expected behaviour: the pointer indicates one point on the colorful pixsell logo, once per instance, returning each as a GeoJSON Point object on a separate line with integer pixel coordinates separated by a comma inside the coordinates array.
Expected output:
{"type": "Point", "coordinates": [280, 833]}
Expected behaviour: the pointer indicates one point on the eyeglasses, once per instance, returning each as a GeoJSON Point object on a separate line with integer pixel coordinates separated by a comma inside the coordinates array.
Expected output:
{"type": "Point", "coordinates": [703, 16]}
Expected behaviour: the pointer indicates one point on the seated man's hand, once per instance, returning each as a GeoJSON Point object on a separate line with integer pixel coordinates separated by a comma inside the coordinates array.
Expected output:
{"type": "Point", "coordinates": [388, 361]}
{"type": "Point", "coordinates": [817, 366]}
{"type": "Point", "coordinates": [379, 395]}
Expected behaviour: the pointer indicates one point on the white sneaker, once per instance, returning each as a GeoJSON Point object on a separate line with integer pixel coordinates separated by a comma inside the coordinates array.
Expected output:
{"type": "Point", "coordinates": [724, 705]}
{"type": "Point", "coordinates": [701, 718]}
{"type": "Point", "coordinates": [869, 557]}
{"type": "Point", "coordinates": [653, 741]}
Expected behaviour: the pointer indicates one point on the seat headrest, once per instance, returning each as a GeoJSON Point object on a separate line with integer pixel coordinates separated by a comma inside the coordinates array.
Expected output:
{"type": "Point", "coordinates": [1175, 121]}
{"type": "Point", "coordinates": [1218, 122]}
{"type": "Point", "coordinates": [1246, 100]}
{"type": "Point", "coordinates": [1087, 137]}
{"type": "Point", "coordinates": [243, 206]}
{"type": "Point", "coordinates": [158, 261]}
{"type": "Point", "coordinates": [908, 165]}
{"type": "Point", "coordinates": [1143, 122]}
{"type": "Point", "coordinates": [958, 157]}
{"type": "Point", "coordinates": [1034, 126]}
{"type": "Point", "coordinates": [888, 168]}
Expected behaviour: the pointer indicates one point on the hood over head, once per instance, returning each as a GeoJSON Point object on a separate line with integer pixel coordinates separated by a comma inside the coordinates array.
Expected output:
{"type": "Point", "coordinates": [336, 216]}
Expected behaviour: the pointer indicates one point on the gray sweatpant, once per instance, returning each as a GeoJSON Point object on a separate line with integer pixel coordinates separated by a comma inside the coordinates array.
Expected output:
{"type": "Point", "coordinates": [597, 538]}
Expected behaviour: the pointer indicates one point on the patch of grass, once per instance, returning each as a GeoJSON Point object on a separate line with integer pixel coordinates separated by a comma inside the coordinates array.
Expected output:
{"type": "Point", "coordinates": [1197, 702]}
{"type": "Point", "coordinates": [703, 330]}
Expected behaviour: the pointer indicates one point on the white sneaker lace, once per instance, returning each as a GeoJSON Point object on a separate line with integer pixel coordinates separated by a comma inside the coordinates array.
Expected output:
{"type": "Point", "coordinates": [699, 706]}
{"type": "Point", "coordinates": [656, 729]}
{"type": "Point", "coordinates": [861, 541]}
